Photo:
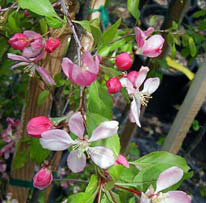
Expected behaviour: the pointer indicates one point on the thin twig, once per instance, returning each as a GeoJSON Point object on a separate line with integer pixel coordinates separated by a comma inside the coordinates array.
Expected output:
{"type": "Point", "coordinates": [69, 20]}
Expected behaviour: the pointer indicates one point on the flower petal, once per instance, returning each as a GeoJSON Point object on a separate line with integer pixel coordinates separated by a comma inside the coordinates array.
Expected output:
{"type": "Point", "coordinates": [76, 161]}
{"type": "Point", "coordinates": [135, 111]}
{"type": "Point", "coordinates": [104, 130]}
{"type": "Point", "coordinates": [178, 197]}
{"type": "Point", "coordinates": [140, 37]}
{"type": "Point", "coordinates": [149, 31]}
{"type": "Point", "coordinates": [102, 156]}
{"type": "Point", "coordinates": [30, 52]}
{"type": "Point", "coordinates": [144, 198]}
{"type": "Point", "coordinates": [67, 64]}
{"type": "Point", "coordinates": [151, 85]}
{"type": "Point", "coordinates": [17, 58]}
{"type": "Point", "coordinates": [89, 61]}
{"type": "Point", "coordinates": [19, 64]}
{"type": "Point", "coordinates": [141, 76]}
{"type": "Point", "coordinates": [168, 178]}
{"type": "Point", "coordinates": [56, 140]}
{"type": "Point", "coordinates": [45, 76]}
{"type": "Point", "coordinates": [128, 85]}
{"type": "Point", "coordinates": [121, 160]}
{"type": "Point", "coordinates": [76, 124]}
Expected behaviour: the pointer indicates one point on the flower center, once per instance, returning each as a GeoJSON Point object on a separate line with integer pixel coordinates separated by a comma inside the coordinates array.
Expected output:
{"type": "Point", "coordinates": [30, 69]}
{"type": "Point", "coordinates": [82, 146]}
{"type": "Point", "coordinates": [84, 67]}
{"type": "Point", "coordinates": [159, 198]}
{"type": "Point", "coordinates": [144, 98]}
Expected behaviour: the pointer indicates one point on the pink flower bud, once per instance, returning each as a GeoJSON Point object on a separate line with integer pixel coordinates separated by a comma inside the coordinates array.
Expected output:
{"type": "Point", "coordinates": [26, 13]}
{"type": "Point", "coordinates": [124, 62]}
{"type": "Point", "coordinates": [51, 44]}
{"type": "Point", "coordinates": [38, 125]}
{"type": "Point", "coordinates": [132, 76]}
{"type": "Point", "coordinates": [19, 41]}
{"type": "Point", "coordinates": [42, 179]}
{"type": "Point", "coordinates": [121, 160]}
{"type": "Point", "coordinates": [113, 85]}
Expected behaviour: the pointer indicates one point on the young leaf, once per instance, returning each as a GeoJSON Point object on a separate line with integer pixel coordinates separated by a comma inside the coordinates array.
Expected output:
{"type": "Point", "coordinates": [99, 101]}
{"type": "Point", "coordinates": [42, 97]}
{"type": "Point", "coordinates": [193, 49]}
{"type": "Point", "coordinates": [96, 33]}
{"type": "Point", "coordinates": [133, 7]}
{"type": "Point", "coordinates": [84, 23]}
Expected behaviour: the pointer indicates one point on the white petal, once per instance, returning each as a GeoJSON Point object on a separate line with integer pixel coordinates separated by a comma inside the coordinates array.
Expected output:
{"type": "Point", "coordinates": [151, 85]}
{"type": "Point", "coordinates": [178, 197]}
{"type": "Point", "coordinates": [168, 178]}
{"type": "Point", "coordinates": [102, 156]}
{"type": "Point", "coordinates": [144, 199]}
{"type": "Point", "coordinates": [104, 130]}
{"type": "Point", "coordinates": [76, 124]}
{"type": "Point", "coordinates": [128, 85]}
{"type": "Point", "coordinates": [141, 76]}
{"type": "Point", "coordinates": [76, 161]}
{"type": "Point", "coordinates": [135, 111]}
{"type": "Point", "coordinates": [56, 140]}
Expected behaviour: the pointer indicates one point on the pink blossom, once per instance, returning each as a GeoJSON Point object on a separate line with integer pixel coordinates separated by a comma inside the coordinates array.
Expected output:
{"type": "Point", "coordinates": [124, 62]}
{"type": "Point", "coordinates": [19, 41]}
{"type": "Point", "coordinates": [51, 44]}
{"type": "Point", "coordinates": [113, 85]}
{"type": "Point", "coordinates": [37, 125]}
{"type": "Point", "coordinates": [139, 97]}
{"type": "Point", "coordinates": [58, 140]}
{"type": "Point", "coordinates": [42, 179]}
{"type": "Point", "coordinates": [166, 179]}
{"type": "Point", "coordinates": [121, 160]}
{"type": "Point", "coordinates": [132, 76]}
{"type": "Point", "coordinates": [86, 73]}
{"type": "Point", "coordinates": [148, 46]}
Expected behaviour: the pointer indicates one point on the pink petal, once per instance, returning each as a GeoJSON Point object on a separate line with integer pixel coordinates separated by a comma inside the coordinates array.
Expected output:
{"type": "Point", "coordinates": [17, 58]}
{"type": "Point", "coordinates": [45, 76]}
{"type": "Point", "coordinates": [140, 37]}
{"type": "Point", "coordinates": [76, 124]}
{"type": "Point", "coordinates": [149, 31]}
{"type": "Point", "coordinates": [128, 85]}
{"type": "Point", "coordinates": [104, 130]}
{"type": "Point", "coordinates": [144, 198]}
{"type": "Point", "coordinates": [102, 156]}
{"type": "Point", "coordinates": [76, 161]}
{"type": "Point", "coordinates": [30, 34]}
{"type": "Point", "coordinates": [151, 85]}
{"type": "Point", "coordinates": [178, 197]}
{"type": "Point", "coordinates": [30, 52]}
{"type": "Point", "coordinates": [56, 140]}
{"type": "Point", "coordinates": [168, 178]}
{"type": "Point", "coordinates": [67, 65]}
{"type": "Point", "coordinates": [141, 76]}
{"type": "Point", "coordinates": [19, 64]}
{"type": "Point", "coordinates": [132, 76]}
{"type": "Point", "coordinates": [121, 160]}
{"type": "Point", "coordinates": [153, 46]}
{"type": "Point", "coordinates": [92, 64]}
{"type": "Point", "coordinates": [135, 111]}
{"type": "Point", "coordinates": [38, 57]}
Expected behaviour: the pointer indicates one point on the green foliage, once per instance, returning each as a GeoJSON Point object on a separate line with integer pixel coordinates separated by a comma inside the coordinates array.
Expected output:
{"type": "Point", "coordinates": [42, 97]}
{"type": "Point", "coordinates": [133, 7]}
{"type": "Point", "coordinates": [89, 195]}
{"type": "Point", "coordinates": [99, 101]}
{"type": "Point", "coordinates": [195, 125]}
{"type": "Point", "coordinates": [192, 47]}
{"type": "Point", "coordinates": [36, 152]}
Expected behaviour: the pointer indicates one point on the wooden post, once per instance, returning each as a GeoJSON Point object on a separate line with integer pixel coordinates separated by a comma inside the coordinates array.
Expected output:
{"type": "Point", "coordinates": [188, 110]}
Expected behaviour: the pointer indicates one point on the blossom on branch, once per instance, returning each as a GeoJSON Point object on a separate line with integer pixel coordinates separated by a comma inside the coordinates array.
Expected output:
{"type": "Point", "coordinates": [58, 140]}
{"type": "Point", "coordinates": [166, 179]}
{"type": "Point", "coordinates": [85, 73]}
{"type": "Point", "coordinates": [139, 97]}
{"type": "Point", "coordinates": [148, 46]}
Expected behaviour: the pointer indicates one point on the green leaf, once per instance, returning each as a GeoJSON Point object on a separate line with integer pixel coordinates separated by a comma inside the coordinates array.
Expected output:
{"type": "Point", "coordinates": [20, 159]}
{"type": "Point", "coordinates": [173, 51]}
{"type": "Point", "coordinates": [151, 165]}
{"type": "Point", "coordinates": [43, 25]}
{"type": "Point", "coordinates": [84, 23]}
{"type": "Point", "coordinates": [193, 49]}
{"type": "Point", "coordinates": [99, 101]}
{"type": "Point", "coordinates": [110, 33]}
{"type": "Point", "coordinates": [89, 195]}
{"type": "Point", "coordinates": [37, 153]}
{"type": "Point", "coordinates": [96, 33]}
{"type": "Point", "coordinates": [40, 7]}
{"type": "Point", "coordinates": [54, 22]}
{"type": "Point", "coordinates": [12, 22]}
{"type": "Point", "coordinates": [195, 125]}
{"type": "Point", "coordinates": [198, 14]}
{"type": "Point", "coordinates": [42, 97]}
{"type": "Point", "coordinates": [133, 7]}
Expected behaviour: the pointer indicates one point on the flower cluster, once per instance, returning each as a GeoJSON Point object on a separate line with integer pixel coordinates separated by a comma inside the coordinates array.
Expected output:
{"type": "Point", "coordinates": [33, 48]}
